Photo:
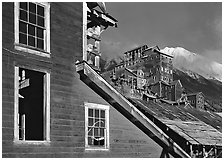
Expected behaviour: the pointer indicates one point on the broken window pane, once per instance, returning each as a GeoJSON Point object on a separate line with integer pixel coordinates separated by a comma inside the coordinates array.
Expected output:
{"type": "Point", "coordinates": [31, 115]}
{"type": "Point", "coordinates": [96, 127]}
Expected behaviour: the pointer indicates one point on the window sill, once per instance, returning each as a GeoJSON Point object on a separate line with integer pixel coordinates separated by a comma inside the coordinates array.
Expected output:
{"type": "Point", "coordinates": [18, 142]}
{"type": "Point", "coordinates": [96, 149]}
{"type": "Point", "coordinates": [31, 50]}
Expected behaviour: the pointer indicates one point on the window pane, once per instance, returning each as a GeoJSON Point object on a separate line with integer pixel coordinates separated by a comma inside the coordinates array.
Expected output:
{"type": "Point", "coordinates": [32, 7]}
{"type": "Point", "coordinates": [102, 132]}
{"type": "Point", "coordinates": [97, 122]}
{"type": "Point", "coordinates": [90, 141]}
{"type": "Point", "coordinates": [40, 21]}
{"type": "Point", "coordinates": [22, 27]}
{"type": "Point", "coordinates": [40, 10]}
{"type": "Point", "coordinates": [40, 43]}
{"type": "Point", "coordinates": [102, 123]}
{"type": "Point", "coordinates": [90, 131]}
{"type": "Point", "coordinates": [102, 114]}
{"type": "Point", "coordinates": [96, 143]}
{"type": "Point", "coordinates": [40, 33]}
{"type": "Point", "coordinates": [96, 132]}
{"type": "Point", "coordinates": [90, 112]}
{"type": "Point", "coordinates": [97, 113]}
{"type": "Point", "coordinates": [31, 41]}
{"type": "Point", "coordinates": [31, 30]}
{"type": "Point", "coordinates": [32, 18]}
{"type": "Point", "coordinates": [23, 5]}
{"type": "Point", "coordinates": [23, 15]}
{"type": "Point", "coordinates": [22, 38]}
{"type": "Point", "coordinates": [90, 122]}
{"type": "Point", "coordinates": [101, 142]}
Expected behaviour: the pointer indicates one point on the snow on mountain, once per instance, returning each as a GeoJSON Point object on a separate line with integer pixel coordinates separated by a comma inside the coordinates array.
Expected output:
{"type": "Point", "coordinates": [188, 61]}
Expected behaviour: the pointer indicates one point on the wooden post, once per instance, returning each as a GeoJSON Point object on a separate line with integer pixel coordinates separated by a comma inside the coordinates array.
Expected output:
{"type": "Point", "coordinates": [164, 154]}
{"type": "Point", "coordinates": [191, 150]}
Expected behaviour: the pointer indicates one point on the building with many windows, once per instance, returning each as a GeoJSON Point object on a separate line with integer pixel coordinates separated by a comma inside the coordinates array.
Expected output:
{"type": "Point", "coordinates": [197, 100]}
{"type": "Point", "coordinates": [156, 68]}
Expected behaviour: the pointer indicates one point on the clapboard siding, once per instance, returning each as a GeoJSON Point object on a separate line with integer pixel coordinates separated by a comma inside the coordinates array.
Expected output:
{"type": "Point", "coordinates": [67, 94]}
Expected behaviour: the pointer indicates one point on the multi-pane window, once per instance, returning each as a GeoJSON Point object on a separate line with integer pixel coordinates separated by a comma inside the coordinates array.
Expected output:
{"type": "Point", "coordinates": [32, 24]}
{"type": "Point", "coordinates": [97, 126]}
{"type": "Point", "coordinates": [32, 27]}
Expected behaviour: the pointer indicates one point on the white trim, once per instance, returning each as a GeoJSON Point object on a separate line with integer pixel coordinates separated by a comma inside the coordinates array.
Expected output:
{"type": "Point", "coordinates": [84, 31]}
{"type": "Point", "coordinates": [46, 107]}
{"type": "Point", "coordinates": [102, 107]}
{"type": "Point", "coordinates": [24, 48]}
{"type": "Point", "coordinates": [16, 98]}
{"type": "Point", "coordinates": [32, 142]}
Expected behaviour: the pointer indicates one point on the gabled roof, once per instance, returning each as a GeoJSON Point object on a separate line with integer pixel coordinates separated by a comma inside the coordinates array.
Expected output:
{"type": "Point", "coordinates": [130, 71]}
{"type": "Point", "coordinates": [196, 93]}
{"type": "Point", "coordinates": [163, 82]}
{"type": "Point", "coordinates": [157, 49]}
{"type": "Point", "coordinates": [175, 82]}
{"type": "Point", "coordinates": [135, 48]}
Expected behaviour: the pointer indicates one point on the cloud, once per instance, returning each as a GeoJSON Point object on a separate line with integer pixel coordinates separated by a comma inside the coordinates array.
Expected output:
{"type": "Point", "coordinates": [215, 55]}
{"type": "Point", "coordinates": [218, 26]}
{"type": "Point", "coordinates": [111, 49]}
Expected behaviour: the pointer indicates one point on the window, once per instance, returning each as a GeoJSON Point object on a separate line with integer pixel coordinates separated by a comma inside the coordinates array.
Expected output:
{"type": "Point", "coordinates": [32, 27]}
{"type": "Point", "coordinates": [32, 99]}
{"type": "Point", "coordinates": [96, 126]}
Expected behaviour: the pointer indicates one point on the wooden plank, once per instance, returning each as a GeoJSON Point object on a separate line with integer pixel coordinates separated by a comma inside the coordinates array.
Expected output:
{"type": "Point", "coordinates": [106, 91]}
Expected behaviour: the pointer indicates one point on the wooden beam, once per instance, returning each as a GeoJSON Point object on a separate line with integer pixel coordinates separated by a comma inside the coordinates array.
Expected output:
{"type": "Point", "coordinates": [126, 108]}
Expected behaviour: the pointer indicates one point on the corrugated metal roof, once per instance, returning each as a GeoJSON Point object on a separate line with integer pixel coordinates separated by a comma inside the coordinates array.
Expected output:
{"type": "Point", "coordinates": [196, 126]}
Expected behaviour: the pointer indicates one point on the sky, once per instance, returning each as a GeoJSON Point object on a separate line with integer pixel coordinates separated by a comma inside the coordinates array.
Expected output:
{"type": "Point", "coordinates": [195, 26]}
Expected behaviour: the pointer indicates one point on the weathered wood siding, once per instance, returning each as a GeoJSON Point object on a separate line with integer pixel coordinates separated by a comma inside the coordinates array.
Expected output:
{"type": "Point", "coordinates": [68, 94]}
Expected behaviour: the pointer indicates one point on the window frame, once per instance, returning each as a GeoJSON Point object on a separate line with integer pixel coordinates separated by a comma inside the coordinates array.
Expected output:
{"type": "Point", "coordinates": [102, 107]}
{"type": "Point", "coordinates": [33, 50]}
{"type": "Point", "coordinates": [46, 107]}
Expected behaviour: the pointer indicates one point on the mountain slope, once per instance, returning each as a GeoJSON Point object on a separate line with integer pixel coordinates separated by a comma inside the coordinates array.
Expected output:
{"type": "Point", "coordinates": [186, 60]}
{"type": "Point", "coordinates": [212, 89]}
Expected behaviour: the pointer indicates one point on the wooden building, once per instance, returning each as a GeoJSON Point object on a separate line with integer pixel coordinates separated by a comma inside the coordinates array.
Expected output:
{"type": "Point", "coordinates": [176, 90]}
{"type": "Point", "coordinates": [197, 100]}
{"type": "Point", "coordinates": [56, 104]}
{"type": "Point", "coordinates": [45, 105]}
